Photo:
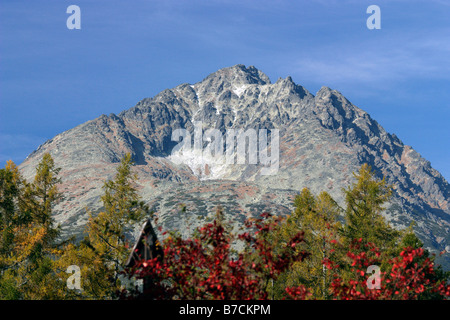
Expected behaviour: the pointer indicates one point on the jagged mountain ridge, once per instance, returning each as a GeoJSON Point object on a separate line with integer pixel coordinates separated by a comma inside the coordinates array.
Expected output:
{"type": "Point", "coordinates": [323, 139]}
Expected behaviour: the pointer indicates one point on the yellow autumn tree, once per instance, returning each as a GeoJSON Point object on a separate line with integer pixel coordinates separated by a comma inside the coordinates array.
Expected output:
{"type": "Point", "coordinates": [29, 249]}
{"type": "Point", "coordinates": [317, 217]}
{"type": "Point", "coordinates": [104, 251]}
{"type": "Point", "coordinates": [365, 199]}
{"type": "Point", "coordinates": [11, 185]}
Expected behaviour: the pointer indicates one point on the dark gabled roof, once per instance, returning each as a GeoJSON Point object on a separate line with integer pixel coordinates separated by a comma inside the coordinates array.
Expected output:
{"type": "Point", "coordinates": [146, 247]}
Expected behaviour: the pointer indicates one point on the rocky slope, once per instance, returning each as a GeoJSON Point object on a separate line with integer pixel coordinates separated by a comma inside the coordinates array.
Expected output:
{"type": "Point", "coordinates": [323, 138]}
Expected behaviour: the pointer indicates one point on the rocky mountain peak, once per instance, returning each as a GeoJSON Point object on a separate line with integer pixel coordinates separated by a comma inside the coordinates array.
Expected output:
{"type": "Point", "coordinates": [234, 79]}
{"type": "Point", "coordinates": [324, 93]}
{"type": "Point", "coordinates": [240, 74]}
{"type": "Point", "coordinates": [322, 140]}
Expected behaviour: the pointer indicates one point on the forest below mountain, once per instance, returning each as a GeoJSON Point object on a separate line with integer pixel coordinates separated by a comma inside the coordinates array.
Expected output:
{"type": "Point", "coordinates": [319, 251]}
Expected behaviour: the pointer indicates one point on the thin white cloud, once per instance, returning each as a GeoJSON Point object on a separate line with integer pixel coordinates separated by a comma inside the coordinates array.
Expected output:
{"type": "Point", "coordinates": [372, 62]}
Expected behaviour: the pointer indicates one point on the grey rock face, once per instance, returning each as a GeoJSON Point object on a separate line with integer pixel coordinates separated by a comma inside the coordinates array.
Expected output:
{"type": "Point", "coordinates": [323, 139]}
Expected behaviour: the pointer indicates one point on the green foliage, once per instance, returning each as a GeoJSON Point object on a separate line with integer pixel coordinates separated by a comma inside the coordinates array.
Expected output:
{"type": "Point", "coordinates": [104, 251]}
{"type": "Point", "coordinates": [328, 241]}
{"type": "Point", "coordinates": [28, 248]}
{"type": "Point", "coordinates": [317, 217]}
{"type": "Point", "coordinates": [9, 190]}
{"type": "Point", "coordinates": [364, 200]}
{"type": "Point", "coordinates": [33, 264]}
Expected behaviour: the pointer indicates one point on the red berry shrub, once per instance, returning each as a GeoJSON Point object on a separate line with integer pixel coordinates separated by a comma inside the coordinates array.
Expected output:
{"type": "Point", "coordinates": [206, 268]}
{"type": "Point", "coordinates": [411, 275]}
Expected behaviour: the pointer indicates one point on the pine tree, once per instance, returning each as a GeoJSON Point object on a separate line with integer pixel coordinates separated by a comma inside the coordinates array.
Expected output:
{"type": "Point", "coordinates": [29, 265]}
{"type": "Point", "coordinates": [10, 187]}
{"type": "Point", "coordinates": [364, 205]}
{"type": "Point", "coordinates": [45, 190]}
{"type": "Point", "coordinates": [105, 250]}
{"type": "Point", "coordinates": [317, 217]}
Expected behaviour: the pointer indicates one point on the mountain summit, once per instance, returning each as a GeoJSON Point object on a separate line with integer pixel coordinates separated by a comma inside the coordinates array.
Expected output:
{"type": "Point", "coordinates": [323, 138]}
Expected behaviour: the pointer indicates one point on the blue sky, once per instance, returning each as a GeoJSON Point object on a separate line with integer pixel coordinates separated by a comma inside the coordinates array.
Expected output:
{"type": "Point", "coordinates": [52, 78]}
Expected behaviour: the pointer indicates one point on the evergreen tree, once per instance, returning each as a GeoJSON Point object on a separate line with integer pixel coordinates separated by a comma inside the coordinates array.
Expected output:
{"type": "Point", "coordinates": [104, 251]}
{"type": "Point", "coordinates": [364, 204]}
{"type": "Point", "coordinates": [10, 187]}
{"type": "Point", "coordinates": [29, 251]}
{"type": "Point", "coordinates": [317, 217]}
